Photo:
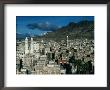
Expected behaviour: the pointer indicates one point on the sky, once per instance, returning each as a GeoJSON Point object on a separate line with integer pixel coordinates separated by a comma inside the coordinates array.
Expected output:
{"type": "Point", "coordinates": [38, 25]}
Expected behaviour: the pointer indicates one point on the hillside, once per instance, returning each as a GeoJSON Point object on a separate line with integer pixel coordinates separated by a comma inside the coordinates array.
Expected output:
{"type": "Point", "coordinates": [83, 29]}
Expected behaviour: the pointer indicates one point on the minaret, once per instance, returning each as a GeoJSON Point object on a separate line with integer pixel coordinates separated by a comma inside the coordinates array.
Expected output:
{"type": "Point", "coordinates": [26, 46]}
{"type": "Point", "coordinates": [42, 41]}
{"type": "Point", "coordinates": [37, 50]}
{"type": "Point", "coordinates": [32, 47]}
{"type": "Point", "coordinates": [67, 42]}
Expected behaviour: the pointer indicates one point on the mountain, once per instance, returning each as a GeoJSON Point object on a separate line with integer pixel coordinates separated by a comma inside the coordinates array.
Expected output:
{"type": "Point", "coordinates": [82, 29]}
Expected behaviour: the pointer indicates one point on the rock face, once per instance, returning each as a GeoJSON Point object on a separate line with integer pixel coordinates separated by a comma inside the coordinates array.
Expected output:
{"type": "Point", "coordinates": [83, 29]}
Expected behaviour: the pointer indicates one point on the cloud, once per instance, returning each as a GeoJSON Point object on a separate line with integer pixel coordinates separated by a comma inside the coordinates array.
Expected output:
{"type": "Point", "coordinates": [46, 26]}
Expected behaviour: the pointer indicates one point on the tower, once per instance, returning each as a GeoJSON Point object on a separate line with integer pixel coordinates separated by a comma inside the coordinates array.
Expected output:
{"type": "Point", "coordinates": [26, 46]}
{"type": "Point", "coordinates": [67, 42]}
{"type": "Point", "coordinates": [32, 46]}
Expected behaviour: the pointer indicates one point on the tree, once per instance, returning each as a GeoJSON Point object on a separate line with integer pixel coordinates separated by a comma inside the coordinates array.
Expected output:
{"type": "Point", "coordinates": [27, 72]}
{"type": "Point", "coordinates": [20, 65]}
{"type": "Point", "coordinates": [72, 59]}
{"type": "Point", "coordinates": [68, 69]}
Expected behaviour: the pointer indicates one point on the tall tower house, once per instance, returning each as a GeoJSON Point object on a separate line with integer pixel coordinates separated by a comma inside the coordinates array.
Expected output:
{"type": "Point", "coordinates": [32, 46]}
{"type": "Point", "coordinates": [26, 46]}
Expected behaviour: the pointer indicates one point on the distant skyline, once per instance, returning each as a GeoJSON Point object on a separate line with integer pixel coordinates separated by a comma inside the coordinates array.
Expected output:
{"type": "Point", "coordinates": [38, 25]}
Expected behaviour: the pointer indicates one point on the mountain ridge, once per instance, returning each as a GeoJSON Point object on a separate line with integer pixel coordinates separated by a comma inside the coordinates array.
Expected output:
{"type": "Point", "coordinates": [82, 29]}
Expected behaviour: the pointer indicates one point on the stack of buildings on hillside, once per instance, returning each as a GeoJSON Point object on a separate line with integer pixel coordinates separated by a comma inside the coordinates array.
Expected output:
{"type": "Point", "coordinates": [42, 57]}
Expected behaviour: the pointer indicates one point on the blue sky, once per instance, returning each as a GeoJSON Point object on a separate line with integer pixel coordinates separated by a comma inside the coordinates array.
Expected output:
{"type": "Point", "coordinates": [41, 24]}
